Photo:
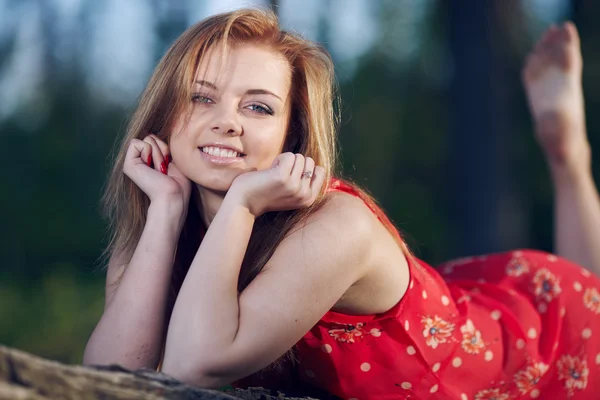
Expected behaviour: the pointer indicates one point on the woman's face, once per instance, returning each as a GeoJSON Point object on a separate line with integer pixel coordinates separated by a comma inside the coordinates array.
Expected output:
{"type": "Point", "coordinates": [242, 103]}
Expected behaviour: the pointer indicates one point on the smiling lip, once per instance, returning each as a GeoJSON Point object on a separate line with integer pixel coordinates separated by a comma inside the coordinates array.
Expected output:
{"type": "Point", "coordinates": [222, 146]}
{"type": "Point", "coordinates": [220, 160]}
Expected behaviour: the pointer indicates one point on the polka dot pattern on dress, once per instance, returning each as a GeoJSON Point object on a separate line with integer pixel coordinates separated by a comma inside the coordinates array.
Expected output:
{"type": "Point", "coordinates": [498, 354]}
{"type": "Point", "coordinates": [542, 307]}
{"type": "Point", "coordinates": [577, 286]}
{"type": "Point", "coordinates": [488, 356]}
{"type": "Point", "coordinates": [586, 333]}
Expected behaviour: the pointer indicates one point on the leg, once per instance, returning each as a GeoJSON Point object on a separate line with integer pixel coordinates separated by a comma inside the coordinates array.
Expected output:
{"type": "Point", "coordinates": [552, 80]}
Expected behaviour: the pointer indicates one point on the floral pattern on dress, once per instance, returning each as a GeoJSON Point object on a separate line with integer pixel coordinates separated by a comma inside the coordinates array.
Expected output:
{"type": "Point", "coordinates": [349, 333]}
{"type": "Point", "coordinates": [472, 342]}
{"type": "Point", "coordinates": [546, 285]}
{"type": "Point", "coordinates": [503, 307]}
{"type": "Point", "coordinates": [591, 300]}
{"type": "Point", "coordinates": [574, 371]}
{"type": "Point", "coordinates": [517, 267]}
{"type": "Point", "coordinates": [527, 378]}
{"type": "Point", "coordinates": [491, 394]}
{"type": "Point", "coordinates": [436, 330]}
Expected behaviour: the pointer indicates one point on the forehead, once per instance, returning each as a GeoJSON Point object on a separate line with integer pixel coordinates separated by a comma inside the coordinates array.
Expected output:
{"type": "Point", "coordinates": [246, 65]}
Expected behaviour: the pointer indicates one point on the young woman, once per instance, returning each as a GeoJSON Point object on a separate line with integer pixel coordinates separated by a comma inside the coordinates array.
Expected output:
{"type": "Point", "coordinates": [235, 247]}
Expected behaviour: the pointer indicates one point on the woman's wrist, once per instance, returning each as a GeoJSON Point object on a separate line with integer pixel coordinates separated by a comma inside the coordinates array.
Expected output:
{"type": "Point", "coordinates": [237, 197]}
{"type": "Point", "coordinates": [168, 213]}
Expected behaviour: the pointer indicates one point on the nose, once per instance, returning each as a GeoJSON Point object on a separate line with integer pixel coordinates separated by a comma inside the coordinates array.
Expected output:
{"type": "Point", "coordinates": [227, 122]}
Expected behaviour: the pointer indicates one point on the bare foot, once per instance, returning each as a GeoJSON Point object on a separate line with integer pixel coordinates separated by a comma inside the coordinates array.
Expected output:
{"type": "Point", "coordinates": [552, 80]}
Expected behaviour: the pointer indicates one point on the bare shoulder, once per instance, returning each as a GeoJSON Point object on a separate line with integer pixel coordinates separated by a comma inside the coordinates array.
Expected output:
{"type": "Point", "coordinates": [384, 274]}
{"type": "Point", "coordinates": [344, 223]}
{"type": "Point", "coordinates": [335, 235]}
{"type": "Point", "coordinates": [343, 211]}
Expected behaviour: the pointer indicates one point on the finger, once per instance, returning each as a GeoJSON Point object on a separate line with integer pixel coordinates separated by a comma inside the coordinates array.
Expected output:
{"type": "Point", "coordinates": [138, 150]}
{"type": "Point", "coordinates": [157, 156]}
{"type": "Point", "coordinates": [286, 163]}
{"type": "Point", "coordinates": [298, 167]}
{"type": "Point", "coordinates": [317, 181]}
{"type": "Point", "coordinates": [162, 145]}
{"type": "Point", "coordinates": [307, 175]}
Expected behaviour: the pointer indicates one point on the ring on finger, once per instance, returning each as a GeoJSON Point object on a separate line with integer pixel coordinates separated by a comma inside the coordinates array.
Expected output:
{"type": "Point", "coordinates": [306, 175]}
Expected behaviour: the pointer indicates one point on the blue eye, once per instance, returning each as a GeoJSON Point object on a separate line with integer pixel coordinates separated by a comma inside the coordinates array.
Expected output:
{"type": "Point", "coordinates": [198, 98]}
{"type": "Point", "coordinates": [260, 109]}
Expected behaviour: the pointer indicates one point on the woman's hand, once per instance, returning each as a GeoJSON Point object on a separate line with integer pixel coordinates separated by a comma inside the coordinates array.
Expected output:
{"type": "Point", "coordinates": [292, 182]}
{"type": "Point", "coordinates": [149, 165]}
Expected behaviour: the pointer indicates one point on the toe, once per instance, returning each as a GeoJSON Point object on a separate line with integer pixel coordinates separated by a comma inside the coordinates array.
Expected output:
{"type": "Point", "coordinates": [554, 35]}
{"type": "Point", "coordinates": [570, 32]}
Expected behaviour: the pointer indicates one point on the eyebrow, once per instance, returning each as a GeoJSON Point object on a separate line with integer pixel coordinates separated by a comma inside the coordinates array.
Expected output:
{"type": "Point", "coordinates": [249, 91]}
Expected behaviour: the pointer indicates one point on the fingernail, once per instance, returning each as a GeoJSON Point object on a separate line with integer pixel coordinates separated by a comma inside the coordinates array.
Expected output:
{"type": "Point", "coordinates": [163, 167]}
{"type": "Point", "coordinates": [149, 162]}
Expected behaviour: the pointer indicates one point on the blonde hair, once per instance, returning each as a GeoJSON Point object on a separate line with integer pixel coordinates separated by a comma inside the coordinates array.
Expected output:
{"type": "Point", "coordinates": [312, 132]}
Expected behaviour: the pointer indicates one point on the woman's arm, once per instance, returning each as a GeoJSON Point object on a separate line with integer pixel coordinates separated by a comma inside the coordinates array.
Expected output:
{"type": "Point", "coordinates": [131, 330]}
{"type": "Point", "coordinates": [216, 336]}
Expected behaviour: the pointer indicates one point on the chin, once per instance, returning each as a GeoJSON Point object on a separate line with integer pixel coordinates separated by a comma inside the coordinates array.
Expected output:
{"type": "Point", "coordinates": [218, 184]}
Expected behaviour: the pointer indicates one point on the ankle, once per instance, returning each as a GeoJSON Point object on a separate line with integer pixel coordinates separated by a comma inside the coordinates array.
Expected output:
{"type": "Point", "coordinates": [573, 169]}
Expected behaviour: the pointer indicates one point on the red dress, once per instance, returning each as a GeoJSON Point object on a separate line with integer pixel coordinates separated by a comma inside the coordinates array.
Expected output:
{"type": "Point", "coordinates": [523, 324]}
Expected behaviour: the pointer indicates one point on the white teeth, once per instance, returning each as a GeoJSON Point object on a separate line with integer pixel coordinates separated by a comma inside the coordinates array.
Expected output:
{"type": "Point", "coordinates": [218, 152]}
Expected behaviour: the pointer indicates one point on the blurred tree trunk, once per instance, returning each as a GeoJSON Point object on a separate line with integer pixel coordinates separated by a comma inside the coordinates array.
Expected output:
{"type": "Point", "coordinates": [483, 207]}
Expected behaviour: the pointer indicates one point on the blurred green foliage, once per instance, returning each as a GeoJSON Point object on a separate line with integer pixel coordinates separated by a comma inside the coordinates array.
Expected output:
{"type": "Point", "coordinates": [395, 140]}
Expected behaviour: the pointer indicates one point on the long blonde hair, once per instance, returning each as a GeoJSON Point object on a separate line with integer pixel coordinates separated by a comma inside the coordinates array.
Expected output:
{"type": "Point", "coordinates": [311, 132]}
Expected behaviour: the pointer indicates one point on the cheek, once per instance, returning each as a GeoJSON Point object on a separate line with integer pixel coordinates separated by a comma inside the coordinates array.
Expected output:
{"type": "Point", "coordinates": [267, 147]}
{"type": "Point", "coordinates": [175, 144]}
{"type": "Point", "coordinates": [180, 138]}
